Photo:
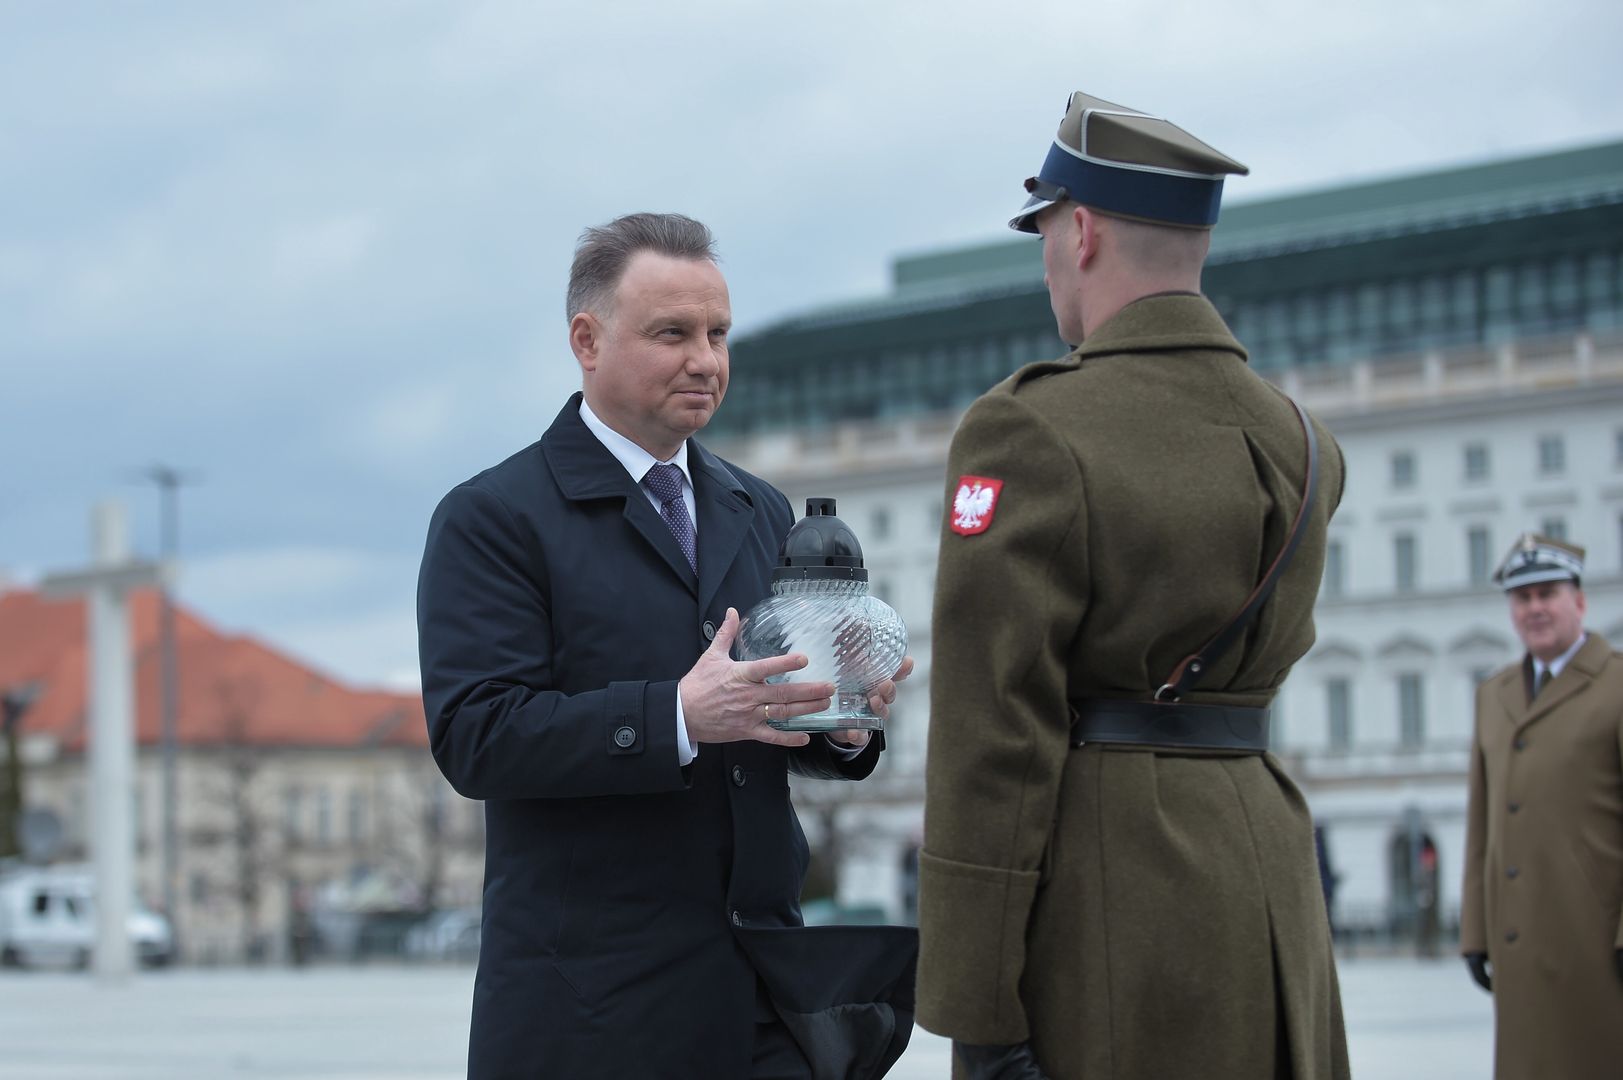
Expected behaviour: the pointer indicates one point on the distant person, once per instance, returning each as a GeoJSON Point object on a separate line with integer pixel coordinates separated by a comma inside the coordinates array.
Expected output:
{"type": "Point", "coordinates": [1427, 900]}
{"type": "Point", "coordinates": [1328, 878]}
{"type": "Point", "coordinates": [1540, 922]}
{"type": "Point", "coordinates": [1117, 878]}
{"type": "Point", "coordinates": [576, 609]}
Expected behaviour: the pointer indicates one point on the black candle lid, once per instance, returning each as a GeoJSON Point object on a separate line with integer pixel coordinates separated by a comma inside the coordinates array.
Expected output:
{"type": "Point", "coordinates": [820, 547]}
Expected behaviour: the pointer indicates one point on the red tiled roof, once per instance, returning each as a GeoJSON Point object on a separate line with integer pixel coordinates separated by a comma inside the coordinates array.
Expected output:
{"type": "Point", "coordinates": [231, 688]}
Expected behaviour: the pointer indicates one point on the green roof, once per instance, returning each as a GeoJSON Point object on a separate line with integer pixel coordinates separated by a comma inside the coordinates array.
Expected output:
{"type": "Point", "coordinates": [1426, 202]}
{"type": "Point", "coordinates": [1327, 218]}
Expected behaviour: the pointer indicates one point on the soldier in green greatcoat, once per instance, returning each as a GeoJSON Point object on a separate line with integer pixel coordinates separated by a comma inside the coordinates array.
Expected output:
{"type": "Point", "coordinates": [1541, 911]}
{"type": "Point", "coordinates": [1111, 885]}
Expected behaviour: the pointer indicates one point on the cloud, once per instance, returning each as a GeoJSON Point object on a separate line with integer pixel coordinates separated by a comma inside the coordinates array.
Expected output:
{"type": "Point", "coordinates": [371, 648]}
{"type": "Point", "coordinates": [284, 574]}
{"type": "Point", "coordinates": [317, 252]}
{"type": "Point", "coordinates": [348, 611]}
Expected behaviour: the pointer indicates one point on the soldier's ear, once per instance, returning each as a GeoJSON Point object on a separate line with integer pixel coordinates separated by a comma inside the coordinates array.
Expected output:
{"type": "Point", "coordinates": [1087, 236]}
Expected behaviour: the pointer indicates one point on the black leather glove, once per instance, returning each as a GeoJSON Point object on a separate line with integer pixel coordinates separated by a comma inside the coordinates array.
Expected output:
{"type": "Point", "coordinates": [1478, 963]}
{"type": "Point", "coordinates": [999, 1062]}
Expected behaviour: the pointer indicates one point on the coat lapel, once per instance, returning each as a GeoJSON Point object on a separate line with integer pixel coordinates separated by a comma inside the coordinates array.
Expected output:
{"type": "Point", "coordinates": [725, 517]}
{"type": "Point", "coordinates": [584, 469]}
{"type": "Point", "coordinates": [646, 520]}
{"type": "Point", "coordinates": [1574, 679]}
{"type": "Point", "coordinates": [1515, 694]}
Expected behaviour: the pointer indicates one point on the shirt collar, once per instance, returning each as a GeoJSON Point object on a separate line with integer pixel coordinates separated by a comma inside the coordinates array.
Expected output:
{"type": "Point", "coordinates": [1561, 661]}
{"type": "Point", "coordinates": [636, 460]}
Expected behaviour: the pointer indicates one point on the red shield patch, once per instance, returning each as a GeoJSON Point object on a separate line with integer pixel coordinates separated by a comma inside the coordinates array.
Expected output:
{"type": "Point", "coordinates": [974, 503]}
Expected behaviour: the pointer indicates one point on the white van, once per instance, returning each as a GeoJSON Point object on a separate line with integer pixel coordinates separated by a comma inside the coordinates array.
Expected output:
{"type": "Point", "coordinates": [48, 917]}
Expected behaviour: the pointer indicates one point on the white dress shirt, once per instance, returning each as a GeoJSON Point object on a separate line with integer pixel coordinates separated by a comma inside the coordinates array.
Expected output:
{"type": "Point", "coordinates": [1559, 662]}
{"type": "Point", "coordinates": [637, 462]}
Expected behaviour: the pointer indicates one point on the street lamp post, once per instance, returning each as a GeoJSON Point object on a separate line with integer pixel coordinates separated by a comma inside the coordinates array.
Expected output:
{"type": "Point", "coordinates": [169, 482]}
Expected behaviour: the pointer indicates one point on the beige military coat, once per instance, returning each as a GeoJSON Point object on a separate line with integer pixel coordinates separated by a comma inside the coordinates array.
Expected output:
{"type": "Point", "coordinates": [1133, 914]}
{"type": "Point", "coordinates": [1543, 893]}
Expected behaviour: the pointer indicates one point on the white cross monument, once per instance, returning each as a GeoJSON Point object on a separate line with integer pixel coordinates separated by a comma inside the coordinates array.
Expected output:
{"type": "Point", "coordinates": [111, 670]}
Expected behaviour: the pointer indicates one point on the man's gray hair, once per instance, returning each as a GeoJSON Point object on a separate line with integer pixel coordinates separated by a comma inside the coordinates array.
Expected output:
{"type": "Point", "coordinates": [604, 252]}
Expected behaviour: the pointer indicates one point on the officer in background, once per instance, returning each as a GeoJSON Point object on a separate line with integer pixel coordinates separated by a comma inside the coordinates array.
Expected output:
{"type": "Point", "coordinates": [1135, 895]}
{"type": "Point", "coordinates": [1539, 914]}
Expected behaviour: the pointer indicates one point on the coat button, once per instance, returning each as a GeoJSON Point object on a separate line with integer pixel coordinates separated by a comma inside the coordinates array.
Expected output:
{"type": "Point", "coordinates": [709, 630]}
{"type": "Point", "coordinates": [738, 920]}
{"type": "Point", "coordinates": [1520, 743]}
{"type": "Point", "coordinates": [1511, 936]}
{"type": "Point", "coordinates": [1512, 872]}
{"type": "Point", "coordinates": [1515, 806]}
{"type": "Point", "coordinates": [624, 736]}
{"type": "Point", "coordinates": [738, 775]}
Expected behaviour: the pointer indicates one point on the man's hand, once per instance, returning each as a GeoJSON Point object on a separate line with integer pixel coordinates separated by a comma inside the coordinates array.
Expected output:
{"type": "Point", "coordinates": [1015, 1062]}
{"type": "Point", "coordinates": [724, 700]}
{"type": "Point", "coordinates": [1478, 963]}
{"type": "Point", "coordinates": [880, 702]}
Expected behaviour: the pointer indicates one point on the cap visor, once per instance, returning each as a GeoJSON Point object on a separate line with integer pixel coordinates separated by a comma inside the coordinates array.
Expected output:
{"type": "Point", "coordinates": [1536, 577]}
{"type": "Point", "coordinates": [1025, 220]}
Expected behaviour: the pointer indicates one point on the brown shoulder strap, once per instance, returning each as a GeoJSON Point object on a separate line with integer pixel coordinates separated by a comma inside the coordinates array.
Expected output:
{"type": "Point", "coordinates": [1187, 673]}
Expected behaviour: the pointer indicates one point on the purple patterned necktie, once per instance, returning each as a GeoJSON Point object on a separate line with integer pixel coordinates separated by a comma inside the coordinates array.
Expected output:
{"type": "Point", "coordinates": [665, 481]}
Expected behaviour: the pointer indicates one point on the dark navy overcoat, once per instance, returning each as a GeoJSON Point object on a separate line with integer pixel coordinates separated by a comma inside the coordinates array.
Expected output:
{"type": "Point", "coordinates": [629, 903]}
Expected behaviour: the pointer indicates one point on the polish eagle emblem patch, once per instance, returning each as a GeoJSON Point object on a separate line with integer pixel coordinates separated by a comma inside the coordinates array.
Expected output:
{"type": "Point", "coordinates": [974, 504]}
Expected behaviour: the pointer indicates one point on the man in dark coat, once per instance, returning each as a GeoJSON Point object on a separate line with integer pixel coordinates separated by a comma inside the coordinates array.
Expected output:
{"type": "Point", "coordinates": [576, 608]}
{"type": "Point", "coordinates": [1131, 896]}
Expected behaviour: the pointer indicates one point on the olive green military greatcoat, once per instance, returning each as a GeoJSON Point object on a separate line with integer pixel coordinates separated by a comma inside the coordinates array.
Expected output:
{"type": "Point", "coordinates": [1543, 892]}
{"type": "Point", "coordinates": [1134, 914]}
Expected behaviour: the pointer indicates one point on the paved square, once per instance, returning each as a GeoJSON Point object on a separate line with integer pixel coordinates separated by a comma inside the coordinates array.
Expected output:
{"type": "Point", "coordinates": [1406, 1020]}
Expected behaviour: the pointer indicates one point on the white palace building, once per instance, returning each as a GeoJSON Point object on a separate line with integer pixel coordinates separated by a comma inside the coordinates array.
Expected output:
{"type": "Point", "coordinates": [1460, 332]}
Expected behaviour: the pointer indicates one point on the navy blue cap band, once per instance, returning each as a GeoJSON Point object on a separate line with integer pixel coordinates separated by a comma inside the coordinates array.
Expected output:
{"type": "Point", "coordinates": [1178, 200]}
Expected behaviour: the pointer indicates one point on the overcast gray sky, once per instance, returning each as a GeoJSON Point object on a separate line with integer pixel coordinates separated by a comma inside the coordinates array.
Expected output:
{"type": "Point", "coordinates": [316, 251]}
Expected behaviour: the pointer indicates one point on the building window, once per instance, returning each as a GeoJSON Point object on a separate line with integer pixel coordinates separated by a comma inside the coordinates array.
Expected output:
{"type": "Point", "coordinates": [1403, 469]}
{"type": "Point", "coordinates": [1554, 527]}
{"type": "Point", "coordinates": [292, 805]}
{"type": "Point", "coordinates": [1411, 711]}
{"type": "Point", "coordinates": [881, 523]}
{"type": "Point", "coordinates": [1552, 455]}
{"type": "Point", "coordinates": [1334, 569]}
{"type": "Point", "coordinates": [436, 811]}
{"type": "Point", "coordinates": [1403, 558]}
{"type": "Point", "coordinates": [357, 816]}
{"type": "Point", "coordinates": [1477, 546]}
{"type": "Point", "coordinates": [1476, 461]}
{"type": "Point", "coordinates": [324, 816]}
{"type": "Point", "coordinates": [932, 523]}
{"type": "Point", "coordinates": [1338, 702]}
{"type": "Point", "coordinates": [1617, 449]}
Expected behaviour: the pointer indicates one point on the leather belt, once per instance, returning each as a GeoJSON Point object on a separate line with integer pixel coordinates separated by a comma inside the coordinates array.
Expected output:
{"type": "Point", "coordinates": [1170, 725]}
